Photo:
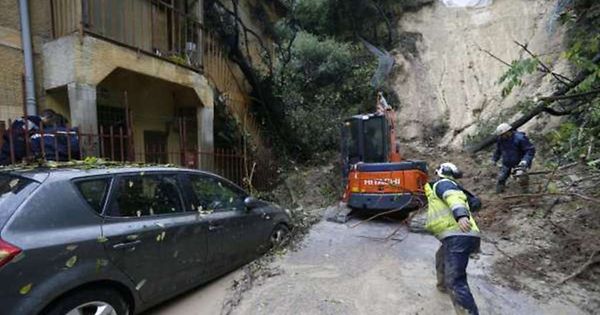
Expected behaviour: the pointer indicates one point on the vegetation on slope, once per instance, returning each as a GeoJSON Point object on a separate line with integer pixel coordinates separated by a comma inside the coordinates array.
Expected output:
{"type": "Point", "coordinates": [319, 72]}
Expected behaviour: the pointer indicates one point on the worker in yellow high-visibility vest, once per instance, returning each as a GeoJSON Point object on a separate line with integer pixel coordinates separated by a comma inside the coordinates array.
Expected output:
{"type": "Point", "coordinates": [450, 220]}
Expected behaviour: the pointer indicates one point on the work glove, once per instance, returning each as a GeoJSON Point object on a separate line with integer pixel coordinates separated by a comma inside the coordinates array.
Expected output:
{"type": "Point", "coordinates": [523, 164]}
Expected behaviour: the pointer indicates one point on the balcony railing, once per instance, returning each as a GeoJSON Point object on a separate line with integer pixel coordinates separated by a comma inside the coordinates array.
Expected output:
{"type": "Point", "coordinates": [167, 29]}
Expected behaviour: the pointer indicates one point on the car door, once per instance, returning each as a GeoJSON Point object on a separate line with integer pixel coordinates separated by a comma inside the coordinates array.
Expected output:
{"type": "Point", "coordinates": [232, 238]}
{"type": "Point", "coordinates": [140, 209]}
{"type": "Point", "coordinates": [185, 248]}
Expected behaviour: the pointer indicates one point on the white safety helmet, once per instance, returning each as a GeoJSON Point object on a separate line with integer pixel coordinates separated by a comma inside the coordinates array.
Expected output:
{"type": "Point", "coordinates": [448, 170]}
{"type": "Point", "coordinates": [503, 128]}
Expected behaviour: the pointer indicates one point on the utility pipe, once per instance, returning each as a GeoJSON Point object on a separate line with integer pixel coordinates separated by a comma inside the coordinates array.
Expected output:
{"type": "Point", "coordinates": [30, 102]}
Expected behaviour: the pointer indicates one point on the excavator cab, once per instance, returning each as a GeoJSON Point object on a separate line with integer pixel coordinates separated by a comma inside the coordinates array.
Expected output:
{"type": "Point", "coordinates": [364, 139]}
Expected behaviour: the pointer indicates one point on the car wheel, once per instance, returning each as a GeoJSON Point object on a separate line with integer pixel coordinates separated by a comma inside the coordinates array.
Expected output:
{"type": "Point", "coordinates": [280, 235]}
{"type": "Point", "coordinates": [98, 301]}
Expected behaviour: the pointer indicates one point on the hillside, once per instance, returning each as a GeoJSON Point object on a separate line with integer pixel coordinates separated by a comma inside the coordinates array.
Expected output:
{"type": "Point", "coordinates": [447, 81]}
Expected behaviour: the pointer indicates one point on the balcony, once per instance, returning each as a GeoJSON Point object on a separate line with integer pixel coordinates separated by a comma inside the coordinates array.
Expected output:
{"type": "Point", "coordinates": [168, 29]}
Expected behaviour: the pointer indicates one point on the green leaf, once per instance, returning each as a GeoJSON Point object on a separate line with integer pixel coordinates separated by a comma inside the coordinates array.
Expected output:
{"type": "Point", "coordinates": [25, 289]}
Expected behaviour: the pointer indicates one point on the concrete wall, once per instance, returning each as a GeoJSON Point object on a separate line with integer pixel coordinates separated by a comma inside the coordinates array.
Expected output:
{"type": "Point", "coordinates": [11, 55]}
{"type": "Point", "coordinates": [89, 60]}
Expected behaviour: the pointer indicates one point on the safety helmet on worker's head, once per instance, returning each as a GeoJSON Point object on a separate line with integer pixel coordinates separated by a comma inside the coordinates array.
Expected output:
{"type": "Point", "coordinates": [502, 129]}
{"type": "Point", "coordinates": [448, 170]}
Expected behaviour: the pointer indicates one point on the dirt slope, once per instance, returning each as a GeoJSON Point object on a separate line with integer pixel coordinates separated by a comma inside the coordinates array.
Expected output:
{"type": "Point", "coordinates": [539, 239]}
{"type": "Point", "coordinates": [447, 85]}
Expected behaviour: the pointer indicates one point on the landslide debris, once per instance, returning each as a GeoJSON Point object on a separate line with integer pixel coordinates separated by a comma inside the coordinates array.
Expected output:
{"type": "Point", "coordinates": [305, 191]}
{"type": "Point", "coordinates": [546, 242]}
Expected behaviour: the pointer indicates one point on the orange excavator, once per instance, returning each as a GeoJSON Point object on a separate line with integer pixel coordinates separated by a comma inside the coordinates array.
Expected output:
{"type": "Point", "coordinates": [376, 176]}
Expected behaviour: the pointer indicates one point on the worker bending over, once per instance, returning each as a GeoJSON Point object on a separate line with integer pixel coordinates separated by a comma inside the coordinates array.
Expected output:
{"type": "Point", "coordinates": [517, 153]}
{"type": "Point", "coordinates": [449, 219]}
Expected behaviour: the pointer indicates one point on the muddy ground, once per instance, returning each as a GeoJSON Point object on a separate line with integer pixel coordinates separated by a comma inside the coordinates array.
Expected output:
{"type": "Point", "coordinates": [343, 270]}
{"type": "Point", "coordinates": [540, 253]}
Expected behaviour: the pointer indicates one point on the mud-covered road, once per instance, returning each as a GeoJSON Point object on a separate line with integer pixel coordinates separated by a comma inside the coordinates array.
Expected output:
{"type": "Point", "coordinates": [343, 270]}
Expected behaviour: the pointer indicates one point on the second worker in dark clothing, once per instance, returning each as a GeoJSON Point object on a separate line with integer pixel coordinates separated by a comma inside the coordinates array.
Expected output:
{"type": "Point", "coordinates": [517, 154]}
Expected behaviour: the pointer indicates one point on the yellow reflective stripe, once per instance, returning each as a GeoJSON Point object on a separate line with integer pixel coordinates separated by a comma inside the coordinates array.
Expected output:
{"type": "Point", "coordinates": [456, 206]}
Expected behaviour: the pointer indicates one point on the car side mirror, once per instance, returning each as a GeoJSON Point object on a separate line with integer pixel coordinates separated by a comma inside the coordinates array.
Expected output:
{"type": "Point", "coordinates": [251, 203]}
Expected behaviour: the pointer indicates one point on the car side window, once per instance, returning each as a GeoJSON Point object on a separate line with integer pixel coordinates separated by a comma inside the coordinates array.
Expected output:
{"type": "Point", "coordinates": [94, 191]}
{"type": "Point", "coordinates": [213, 194]}
{"type": "Point", "coordinates": [145, 195]}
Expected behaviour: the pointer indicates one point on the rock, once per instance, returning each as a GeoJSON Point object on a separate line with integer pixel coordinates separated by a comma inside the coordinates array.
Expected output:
{"type": "Point", "coordinates": [338, 214]}
{"type": "Point", "coordinates": [417, 223]}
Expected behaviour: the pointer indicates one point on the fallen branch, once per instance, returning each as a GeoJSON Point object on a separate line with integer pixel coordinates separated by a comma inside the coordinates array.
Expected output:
{"type": "Point", "coordinates": [550, 178]}
{"type": "Point", "coordinates": [549, 210]}
{"type": "Point", "coordinates": [586, 179]}
{"type": "Point", "coordinates": [250, 178]}
{"type": "Point", "coordinates": [494, 56]}
{"type": "Point", "coordinates": [564, 167]}
{"type": "Point", "coordinates": [541, 107]}
{"type": "Point", "coordinates": [559, 77]}
{"type": "Point", "coordinates": [582, 268]}
{"type": "Point", "coordinates": [567, 97]}
{"type": "Point", "coordinates": [553, 194]}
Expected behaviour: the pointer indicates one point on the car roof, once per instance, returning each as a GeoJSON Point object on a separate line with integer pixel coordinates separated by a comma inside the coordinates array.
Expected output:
{"type": "Point", "coordinates": [66, 173]}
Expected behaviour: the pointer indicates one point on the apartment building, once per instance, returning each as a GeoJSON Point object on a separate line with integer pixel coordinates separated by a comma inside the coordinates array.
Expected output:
{"type": "Point", "coordinates": [138, 78]}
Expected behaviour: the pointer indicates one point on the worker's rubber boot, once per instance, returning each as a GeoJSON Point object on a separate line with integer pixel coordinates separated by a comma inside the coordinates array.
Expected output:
{"type": "Point", "coordinates": [524, 183]}
{"type": "Point", "coordinates": [499, 188]}
{"type": "Point", "coordinates": [439, 270]}
{"type": "Point", "coordinates": [461, 310]}
{"type": "Point", "coordinates": [442, 288]}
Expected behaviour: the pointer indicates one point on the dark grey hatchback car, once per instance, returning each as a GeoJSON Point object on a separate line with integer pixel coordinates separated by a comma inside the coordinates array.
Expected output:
{"type": "Point", "coordinates": [118, 241]}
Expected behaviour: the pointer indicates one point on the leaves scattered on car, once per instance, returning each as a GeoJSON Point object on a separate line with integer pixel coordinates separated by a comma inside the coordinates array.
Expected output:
{"type": "Point", "coordinates": [203, 212]}
{"type": "Point", "coordinates": [72, 247]}
{"type": "Point", "coordinates": [140, 284]}
{"type": "Point", "coordinates": [13, 183]}
{"type": "Point", "coordinates": [25, 289]}
{"type": "Point", "coordinates": [101, 263]}
{"type": "Point", "coordinates": [71, 262]}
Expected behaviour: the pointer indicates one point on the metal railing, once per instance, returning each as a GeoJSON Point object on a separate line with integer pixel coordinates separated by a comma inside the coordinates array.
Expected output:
{"type": "Point", "coordinates": [29, 143]}
{"type": "Point", "coordinates": [162, 28]}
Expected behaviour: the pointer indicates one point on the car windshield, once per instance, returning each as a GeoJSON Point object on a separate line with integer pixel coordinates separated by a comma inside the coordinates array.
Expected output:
{"type": "Point", "coordinates": [13, 191]}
